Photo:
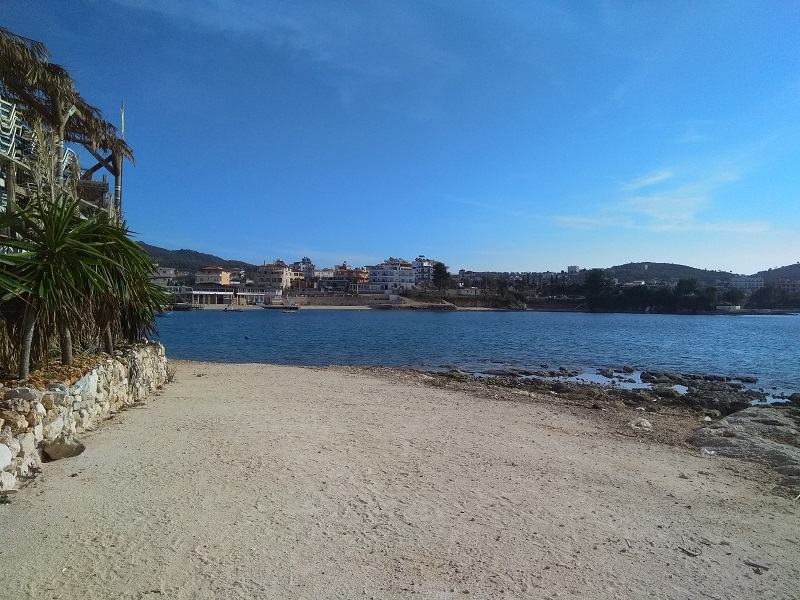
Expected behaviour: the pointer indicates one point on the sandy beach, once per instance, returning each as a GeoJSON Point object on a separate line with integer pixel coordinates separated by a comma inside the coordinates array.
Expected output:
{"type": "Point", "coordinates": [258, 481]}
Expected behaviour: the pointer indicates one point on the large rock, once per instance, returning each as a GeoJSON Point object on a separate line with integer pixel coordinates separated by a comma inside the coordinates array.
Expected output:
{"type": "Point", "coordinates": [27, 444]}
{"type": "Point", "coordinates": [7, 481]}
{"type": "Point", "coordinates": [23, 393]}
{"type": "Point", "coordinates": [64, 446]}
{"type": "Point", "coordinates": [17, 422]}
{"type": "Point", "coordinates": [5, 456]}
{"type": "Point", "coordinates": [764, 435]}
{"type": "Point", "coordinates": [54, 428]}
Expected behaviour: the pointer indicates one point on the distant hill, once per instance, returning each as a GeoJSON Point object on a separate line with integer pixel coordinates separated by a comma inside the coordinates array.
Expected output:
{"type": "Point", "coordinates": [788, 272]}
{"type": "Point", "coordinates": [664, 271]}
{"type": "Point", "coordinates": [191, 260]}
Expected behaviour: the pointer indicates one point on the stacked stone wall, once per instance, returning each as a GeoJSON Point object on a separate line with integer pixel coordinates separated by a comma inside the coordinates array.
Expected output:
{"type": "Point", "coordinates": [30, 418]}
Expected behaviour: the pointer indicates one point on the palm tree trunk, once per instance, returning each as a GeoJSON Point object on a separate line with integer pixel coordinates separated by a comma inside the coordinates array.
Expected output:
{"type": "Point", "coordinates": [27, 342]}
{"type": "Point", "coordinates": [108, 340]}
{"type": "Point", "coordinates": [66, 346]}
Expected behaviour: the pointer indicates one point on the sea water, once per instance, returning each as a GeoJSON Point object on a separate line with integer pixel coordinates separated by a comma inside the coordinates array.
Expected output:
{"type": "Point", "coordinates": [767, 347]}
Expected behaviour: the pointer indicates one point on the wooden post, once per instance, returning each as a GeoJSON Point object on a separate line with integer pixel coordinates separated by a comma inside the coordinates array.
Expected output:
{"type": "Point", "coordinates": [117, 162]}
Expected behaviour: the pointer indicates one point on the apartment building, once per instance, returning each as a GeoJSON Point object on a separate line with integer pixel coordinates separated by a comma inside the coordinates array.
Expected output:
{"type": "Point", "coordinates": [216, 275]}
{"type": "Point", "coordinates": [392, 275]}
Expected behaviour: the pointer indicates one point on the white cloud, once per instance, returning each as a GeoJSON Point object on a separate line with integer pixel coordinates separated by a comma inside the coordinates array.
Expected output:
{"type": "Point", "coordinates": [678, 207]}
{"type": "Point", "coordinates": [389, 47]}
{"type": "Point", "coordinates": [648, 180]}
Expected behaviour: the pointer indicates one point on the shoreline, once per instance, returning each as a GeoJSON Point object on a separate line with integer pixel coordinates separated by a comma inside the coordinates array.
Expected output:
{"type": "Point", "coordinates": [741, 313]}
{"type": "Point", "coordinates": [344, 482]}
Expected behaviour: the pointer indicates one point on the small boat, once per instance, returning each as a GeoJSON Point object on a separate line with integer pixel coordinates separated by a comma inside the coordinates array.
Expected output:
{"type": "Point", "coordinates": [228, 309]}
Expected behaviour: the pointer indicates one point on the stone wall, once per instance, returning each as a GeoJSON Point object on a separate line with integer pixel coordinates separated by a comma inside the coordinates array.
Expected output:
{"type": "Point", "coordinates": [30, 418]}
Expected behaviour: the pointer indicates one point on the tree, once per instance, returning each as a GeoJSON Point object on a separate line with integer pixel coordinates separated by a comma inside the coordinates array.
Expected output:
{"type": "Point", "coordinates": [733, 296]}
{"type": "Point", "coordinates": [45, 92]}
{"type": "Point", "coordinates": [685, 287]}
{"type": "Point", "coordinates": [596, 288]}
{"type": "Point", "coordinates": [62, 269]}
{"type": "Point", "coordinates": [441, 276]}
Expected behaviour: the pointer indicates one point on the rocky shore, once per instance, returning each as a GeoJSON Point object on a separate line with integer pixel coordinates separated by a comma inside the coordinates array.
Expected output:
{"type": "Point", "coordinates": [715, 414]}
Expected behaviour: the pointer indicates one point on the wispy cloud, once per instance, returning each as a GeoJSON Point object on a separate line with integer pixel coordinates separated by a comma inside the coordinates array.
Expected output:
{"type": "Point", "coordinates": [676, 207]}
{"type": "Point", "coordinates": [648, 180]}
{"type": "Point", "coordinates": [359, 48]}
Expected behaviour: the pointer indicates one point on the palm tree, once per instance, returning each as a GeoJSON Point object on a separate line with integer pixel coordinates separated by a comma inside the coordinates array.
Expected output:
{"type": "Point", "coordinates": [69, 270]}
{"type": "Point", "coordinates": [44, 91]}
{"type": "Point", "coordinates": [62, 271]}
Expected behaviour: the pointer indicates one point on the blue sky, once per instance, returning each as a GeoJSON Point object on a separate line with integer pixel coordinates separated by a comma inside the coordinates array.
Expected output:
{"type": "Point", "coordinates": [522, 136]}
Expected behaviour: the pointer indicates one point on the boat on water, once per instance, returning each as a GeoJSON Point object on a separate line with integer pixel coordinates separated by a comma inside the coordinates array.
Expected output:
{"type": "Point", "coordinates": [229, 309]}
{"type": "Point", "coordinates": [282, 307]}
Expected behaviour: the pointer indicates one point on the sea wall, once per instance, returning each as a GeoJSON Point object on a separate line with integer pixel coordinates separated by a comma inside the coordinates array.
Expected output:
{"type": "Point", "coordinates": [31, 418]}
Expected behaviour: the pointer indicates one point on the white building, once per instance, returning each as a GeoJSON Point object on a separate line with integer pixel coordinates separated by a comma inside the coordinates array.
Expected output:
{"type": "Point", "coordinates": [162, 276]}
{"type": "Point", "coordinates": [277, 275]}
{"type": "Point", "coordinates": [306, 267]}
{"type": "Point", "coordinates": [423, 271]}
{"type": "Point", "coordinates": [393, 275]}
{"type": "Point", "coordinates": [747, 284]}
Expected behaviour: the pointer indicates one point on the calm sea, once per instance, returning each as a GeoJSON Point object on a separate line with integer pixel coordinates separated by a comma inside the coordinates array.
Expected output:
{"type": "Point", "coordinates": [767, 347]}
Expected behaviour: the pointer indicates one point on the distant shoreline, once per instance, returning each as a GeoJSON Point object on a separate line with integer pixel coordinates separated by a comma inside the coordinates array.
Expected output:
{"type": "Point", "coordinates": [747, 312]}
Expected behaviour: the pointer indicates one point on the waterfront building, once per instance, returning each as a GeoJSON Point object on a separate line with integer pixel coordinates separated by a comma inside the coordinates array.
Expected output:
{"type": "Point", "coordinates": [392, 275]}
{"type": "Point", "coordinates": [747, 284]}
{"type": "Point", "coordinates": [277, 275]}
{"type": "Point", "coordinates": [306, 267]}
{"type": "Point", "coordinates": [423, 271]}
{"type": "Point", "coordinates": [162, 276]}
{"type": "Point", "coordinates": [216, 275]}
{"type": "Point", "coordinates": [213, 293]}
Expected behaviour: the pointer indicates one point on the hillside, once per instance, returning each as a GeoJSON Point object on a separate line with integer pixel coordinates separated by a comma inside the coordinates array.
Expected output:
{"type": "Point", "coordinates": [191, 260]}
{"type": "Point", "coordinates": [664, 271]}
{"type": "Point", "coordinates": [788, 272]}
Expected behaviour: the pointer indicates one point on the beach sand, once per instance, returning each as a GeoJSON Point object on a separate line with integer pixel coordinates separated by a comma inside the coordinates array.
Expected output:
{"type": "Point", "coordinates": [258, 481]}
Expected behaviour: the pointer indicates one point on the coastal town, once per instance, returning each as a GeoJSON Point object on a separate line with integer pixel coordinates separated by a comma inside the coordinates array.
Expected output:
{"type": "Point", "coordinates": [303, 283]}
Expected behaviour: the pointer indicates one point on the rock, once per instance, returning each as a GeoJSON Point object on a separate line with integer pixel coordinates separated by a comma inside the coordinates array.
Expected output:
{"type": "Point", "coordinates": [641, 424]}
{"type": "Point", "coordinates": [17, 422]}
{"type": "Point", "coordinates": [23, 393]}
{"type": "Point", "coordinates": [6, 437]}
{"type": "Point", "coordinates": [5, 456]}
{"type": "Point", "coordinates": [764, 435]}
{"type": "Point", "coordinates": [795, 398]}
{"type": "Point", "coordinates": [64, 446]}
{"type": "Point", "coordinates": [27, 444]}
{"type": "Point", "coordinates": [29, 465]}
{"type": "Point", "coordinates": [12, 444]}
{"type": "Point", "coordinates": [609, 373]}
{"type": "Point", "coordinates": [53, 398]}
{"type": "Point", "coordinates": [53, 429]}
{"type": "Point", "coordinates": [707, 419]}
{"type": "Point", "coordinates": [7, 481]}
